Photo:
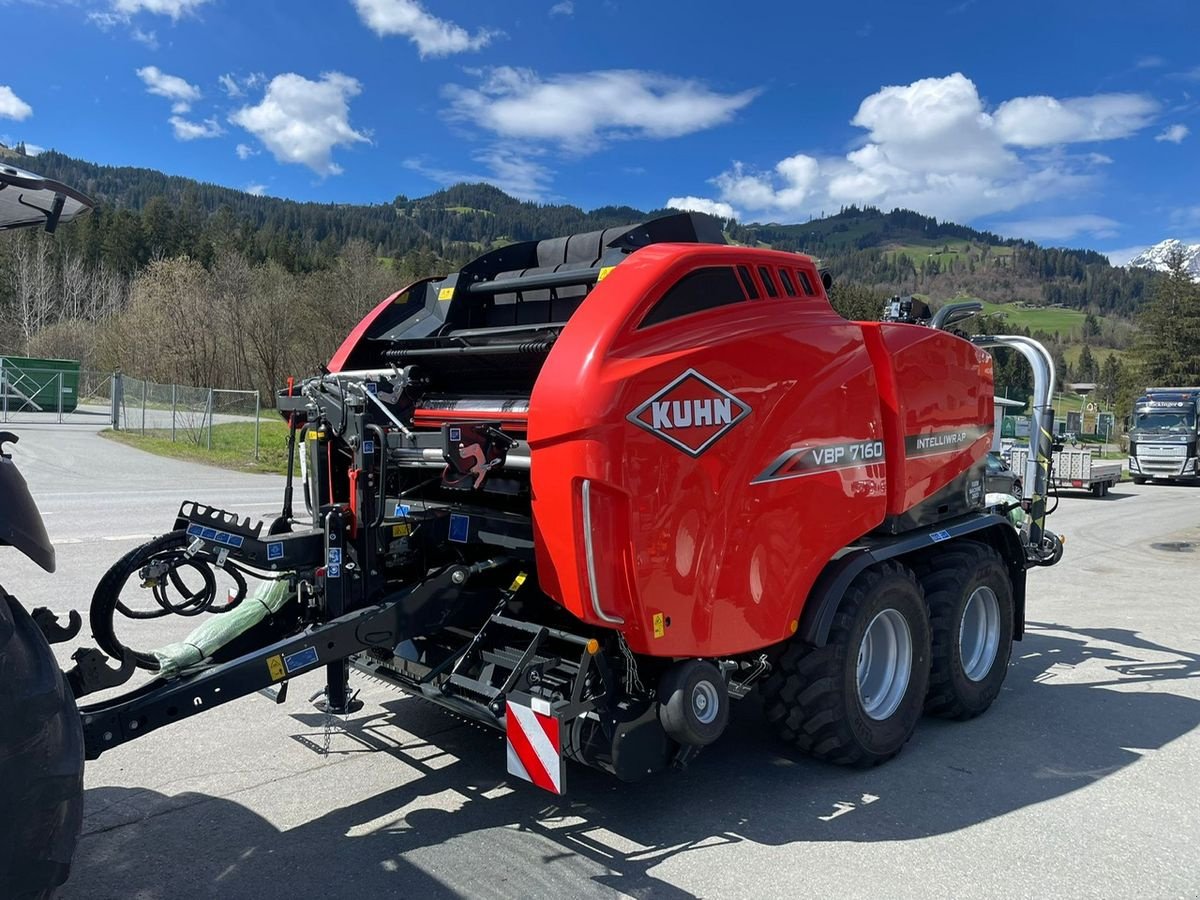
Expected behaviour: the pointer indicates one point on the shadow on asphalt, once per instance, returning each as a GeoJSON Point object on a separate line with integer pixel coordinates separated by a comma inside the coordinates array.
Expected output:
{"type": "Point", "coordinates": [1045, 737]}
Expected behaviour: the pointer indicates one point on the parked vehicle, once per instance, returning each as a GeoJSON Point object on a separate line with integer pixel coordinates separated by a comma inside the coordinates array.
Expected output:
{"type": "Point", "coordinates": [1001, 477]}
{"type": "Point", "coordinates": [589, 491]}
{"type": "Point", "coordinates": [1076, 470]}
{"type": "Point", "coordinates": [1163, 435]}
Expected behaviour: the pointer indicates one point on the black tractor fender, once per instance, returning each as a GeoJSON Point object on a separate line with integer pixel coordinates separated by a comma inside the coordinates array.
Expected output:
{"type": "Point", "coordinates": [819, 611]}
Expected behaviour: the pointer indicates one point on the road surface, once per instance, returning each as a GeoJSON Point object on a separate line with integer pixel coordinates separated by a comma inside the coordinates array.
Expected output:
{"type": "Point", "coordinates": [1080, 782]}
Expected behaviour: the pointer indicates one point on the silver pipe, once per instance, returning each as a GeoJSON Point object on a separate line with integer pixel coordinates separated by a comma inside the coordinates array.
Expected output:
{"type": "Point", "coordinates": [1037, 466]}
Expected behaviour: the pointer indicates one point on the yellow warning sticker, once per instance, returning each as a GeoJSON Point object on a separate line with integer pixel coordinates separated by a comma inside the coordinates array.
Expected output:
{"type": "Point", "coordinates": [446, 294]}
{"type": "Point", "coordinates": [659, 625]}
{"type": "Point", "coordinates": [604, 272]}
{"type": "Point", "coordinates": [401, 530]}
{"type": "Point", "coordinates": [275, 667]}
{"type": "Point", "coordinates": [517, 582]}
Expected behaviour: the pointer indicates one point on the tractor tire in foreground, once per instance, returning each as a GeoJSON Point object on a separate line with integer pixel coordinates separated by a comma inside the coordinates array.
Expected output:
{"type": "Point", "coordinates": [857, 700]}
{"type": "Point", "coordinates": [41, 761]}
{"type": "Point", "coordinates": [969, 594]}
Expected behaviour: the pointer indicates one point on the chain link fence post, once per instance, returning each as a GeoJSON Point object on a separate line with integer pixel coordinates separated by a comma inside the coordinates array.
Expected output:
{"type": "Point", "coordinates": [210, 417]}
{"type": "Point", "coordinates": [257, 421]}
{"type": "Point", "coordinates": [118, 399]}
{"type": "Point", "coordinates": [4, 388]}
{"type": "Point", "coordinates": [173, 391]}
{"type": "Point", "coordinates": [60, 393]}
{"type": "Point", "coordinates": [143, 407]}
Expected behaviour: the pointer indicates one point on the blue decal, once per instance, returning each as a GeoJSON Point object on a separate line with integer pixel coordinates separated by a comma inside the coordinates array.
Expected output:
{"type": "Point", "coordinates": [275, 550]}
{"type": "Point", "coordinates": [402, 510]}
{"type": "Point", "coordinates": [368, 447]}
{"type": "Point", "coordinates": [300, 659]}
{"type": "Point", "coordinates": [372, 387]}
{"type": "Point", "coordinates": [940, 536]}
{"type": "Point", "coordinates": [456, 434]}
{"type": "Point", "coordinates": [460, 527]}
{"type": "Point", "coordinates": [220, 537]}
{"type": "Point", "coordinates": [335, 556]}
{"type": "Point", "coordinates": [333, 571]}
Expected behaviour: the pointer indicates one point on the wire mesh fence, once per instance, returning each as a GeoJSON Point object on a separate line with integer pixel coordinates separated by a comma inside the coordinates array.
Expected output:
{"type": "Point", "coordinates": [204, 417]}
{"type": "Point", "coordinates": [58, 392]}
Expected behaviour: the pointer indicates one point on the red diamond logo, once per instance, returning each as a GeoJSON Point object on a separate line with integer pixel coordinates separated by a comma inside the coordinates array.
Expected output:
{"type": "Point", "coordinates": [690, 413]}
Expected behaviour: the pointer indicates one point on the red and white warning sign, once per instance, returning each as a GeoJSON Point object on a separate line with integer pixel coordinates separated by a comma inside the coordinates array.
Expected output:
{"type": "Point", "coordinates": [534, 746]}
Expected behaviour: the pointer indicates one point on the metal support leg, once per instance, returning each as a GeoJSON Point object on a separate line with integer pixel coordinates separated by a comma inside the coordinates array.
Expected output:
{"type": "Point", "coordinates": [337, 698]}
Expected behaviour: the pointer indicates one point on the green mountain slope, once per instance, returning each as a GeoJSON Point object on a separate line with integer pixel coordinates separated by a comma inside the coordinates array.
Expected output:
{"type": "Point", "coordinates": [144, 213]}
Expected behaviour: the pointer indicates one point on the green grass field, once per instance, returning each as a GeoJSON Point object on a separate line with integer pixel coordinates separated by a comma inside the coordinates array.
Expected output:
{"type": "Point", "coordinates": [1064, 321]}
{"type": "Point", "coordinates": [232, 446]}
{"type": "Point", "coordinates": [958, 251]}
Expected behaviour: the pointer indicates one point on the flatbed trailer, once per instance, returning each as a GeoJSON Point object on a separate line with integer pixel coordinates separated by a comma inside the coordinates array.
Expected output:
{"type": "Point", "coordinates": [1076, 470]}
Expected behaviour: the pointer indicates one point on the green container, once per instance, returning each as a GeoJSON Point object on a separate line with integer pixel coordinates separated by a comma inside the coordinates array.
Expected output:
{"type": "Point", "coordinates": [39, 385]}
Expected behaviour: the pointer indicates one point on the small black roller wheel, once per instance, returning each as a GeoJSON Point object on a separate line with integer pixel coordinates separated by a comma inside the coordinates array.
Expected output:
{"type": "Point", "coordinates": [41, 761]}
{"type": "Point", "coordinates": [969, 593]}
{"type": "Point", "coordinates": [857, 700]}
{"type": "Point", "coordinates": [693, 703]}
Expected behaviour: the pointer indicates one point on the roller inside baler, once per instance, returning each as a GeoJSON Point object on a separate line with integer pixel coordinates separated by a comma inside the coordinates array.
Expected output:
{"type": "Point", "coordinates": [588, 490]}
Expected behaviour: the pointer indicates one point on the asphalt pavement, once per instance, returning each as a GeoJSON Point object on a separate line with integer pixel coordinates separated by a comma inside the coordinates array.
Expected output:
{"type": "Point", "coordinates": [1081, 781]}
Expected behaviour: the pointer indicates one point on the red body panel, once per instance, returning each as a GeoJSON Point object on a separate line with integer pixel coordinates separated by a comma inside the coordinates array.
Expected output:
{"type": "Point", "coordinates": [713, 552]}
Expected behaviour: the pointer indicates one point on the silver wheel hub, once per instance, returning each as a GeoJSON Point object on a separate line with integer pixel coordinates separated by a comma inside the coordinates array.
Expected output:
{"type": "Point", "coordinates": [705, 703]}
{"type": "Point", "coordinates": [884, 664]}
{"type": "Point", "coordinates": [979, 633]}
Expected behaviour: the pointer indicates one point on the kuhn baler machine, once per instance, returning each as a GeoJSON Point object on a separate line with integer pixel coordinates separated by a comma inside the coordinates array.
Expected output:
{"type": "Point", "coordinates": [588, 491]}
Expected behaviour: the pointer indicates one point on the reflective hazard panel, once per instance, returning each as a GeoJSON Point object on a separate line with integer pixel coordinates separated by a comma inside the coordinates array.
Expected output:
{"type": "Point", "coordinates": [534, 746]}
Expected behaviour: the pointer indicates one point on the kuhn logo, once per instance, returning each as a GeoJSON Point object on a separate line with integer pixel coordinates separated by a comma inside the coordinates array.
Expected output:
{"type": "Point", "coordinates": [690, 413]}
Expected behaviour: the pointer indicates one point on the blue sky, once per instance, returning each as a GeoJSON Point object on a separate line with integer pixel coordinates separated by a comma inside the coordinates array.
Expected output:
{"type": "Point", "coordinates": [1067, 123]}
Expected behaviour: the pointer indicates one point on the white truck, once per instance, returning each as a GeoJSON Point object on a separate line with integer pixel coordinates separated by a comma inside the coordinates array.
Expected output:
{"type": "Point", "coordinates": [1076, 469]}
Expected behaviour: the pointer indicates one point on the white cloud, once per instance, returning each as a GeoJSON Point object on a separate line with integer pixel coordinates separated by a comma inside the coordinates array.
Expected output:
{"type": "Point", "coordinates": [245, 151]}
{"type": "Point", "coordinates": [515, 173]}
{"type": "Point", "coordinates": [180, 92]}
{"type": "Point", "coordinates": [433, 36]}
{"type": "Point", "coordinates": [12, 106]}
{"type": "Point", "coordinates": [1045, 121]}
{"type": "Point", "coordinates": [1060, 228]}
{"type": "Point", "coordinates": [237, 86]}
{"type": "Point", "coordinates": [256, 189]}
{"type": "Point", "coordinates": [565, 8]}
{"type": "Point", "coordinates": [1150, 62]}
{"type": "Point", "coordinates": [34, 149]}
{"type": "Point", "coordinates": [149, 38]}
{"type": "Point", "coordinates": [173, 8]}
{"type": "Point", "coordinates": [1122, 255]}
{"type": "Point", "coordinates": [301, 121]}
{"type": "Point", "coordinates": [934, 146]}
{"type": "Point", "coordinates": [186, 130]}
{"type": "Point", "coordinates": [700, 204]}
{"type": "Point", "coordinates": [580, 111]}
{"type": "Point", "coordinates": [1174, 134]}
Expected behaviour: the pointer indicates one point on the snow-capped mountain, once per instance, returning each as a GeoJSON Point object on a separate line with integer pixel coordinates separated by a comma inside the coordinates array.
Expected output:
{"type": "Point", "coordinates": [1156, 257]}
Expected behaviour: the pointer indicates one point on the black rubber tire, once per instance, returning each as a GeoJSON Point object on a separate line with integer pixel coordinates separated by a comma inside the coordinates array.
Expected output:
{"type": "Point", "coordinates": [41, 761]}
{"type": "Point", "coordinates": [949, 578]}
{"type": "Point", "coordinates": [811, 696]}
{"type": "Point", "coordinates": [1016, 491]}
{"type": "Point", "coordinates": [675, 710]}
{"type": "Point", "coordinates": [1138, 479]}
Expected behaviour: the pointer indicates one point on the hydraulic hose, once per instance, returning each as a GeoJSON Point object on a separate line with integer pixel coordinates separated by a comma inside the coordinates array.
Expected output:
{"type": "Point", "coordinates": [160, 564]}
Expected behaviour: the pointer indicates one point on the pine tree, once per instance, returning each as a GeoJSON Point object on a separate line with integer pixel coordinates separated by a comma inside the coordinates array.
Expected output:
{"type": "Point", "coordinates": [1168, 346]}
{"type": "Point", "coordinates": [1086, 368]}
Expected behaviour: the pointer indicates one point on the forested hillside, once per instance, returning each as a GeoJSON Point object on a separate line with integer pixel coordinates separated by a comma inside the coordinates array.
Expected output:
{"type": "Point", "coordinates": [178, 280]}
